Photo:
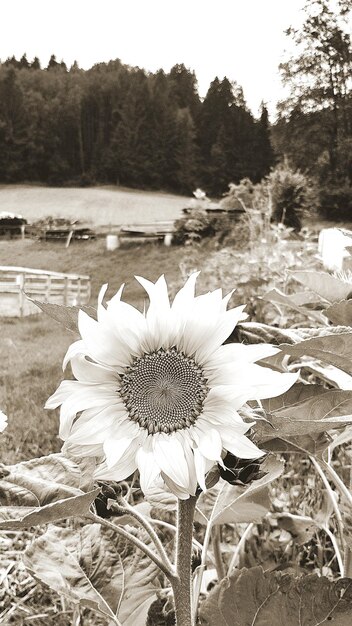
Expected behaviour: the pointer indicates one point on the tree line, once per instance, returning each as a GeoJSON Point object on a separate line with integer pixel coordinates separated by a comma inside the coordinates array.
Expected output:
{"type": "Point", "coordinates": [119, 124]}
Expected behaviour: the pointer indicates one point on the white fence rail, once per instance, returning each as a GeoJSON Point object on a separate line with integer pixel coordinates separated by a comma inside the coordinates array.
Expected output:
{"type": "Point", "coordinates": [54, 287]}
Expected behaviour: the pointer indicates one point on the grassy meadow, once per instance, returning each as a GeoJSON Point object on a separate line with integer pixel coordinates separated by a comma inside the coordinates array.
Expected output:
{"type": "Point", "coordinates": [95, 206]}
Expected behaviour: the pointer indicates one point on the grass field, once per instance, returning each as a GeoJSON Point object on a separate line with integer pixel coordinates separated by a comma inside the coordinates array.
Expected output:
{"type": "Point", "coordinates": [94, 205]}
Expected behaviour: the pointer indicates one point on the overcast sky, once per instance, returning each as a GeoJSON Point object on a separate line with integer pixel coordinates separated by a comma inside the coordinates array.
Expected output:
{"type": "Point", "coordinates": [241, 39]}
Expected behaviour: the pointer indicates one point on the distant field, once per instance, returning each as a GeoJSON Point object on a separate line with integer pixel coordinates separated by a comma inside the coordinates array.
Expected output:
{"type": "Point", "coordinates": [95, 205]}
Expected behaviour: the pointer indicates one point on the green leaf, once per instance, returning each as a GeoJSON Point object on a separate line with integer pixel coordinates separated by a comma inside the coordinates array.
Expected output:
{"type": "Point", "coordinates": [67, 316]}
{"type": "Point", "coordinates": [335, 349]}
{"type": "Point", "coordinates": [39, 481]}
{"type": "Point", "coordinates": [43, 490]}
{"type": "Point", "coordinates": [18, 518]}
{"type": "Point", "coordinates": [329, 287]}
{"type": "Point", "coordinates": [228, 504]}
{"type": "Point", "coordinates": [81, 566]}
{"type": "Point", "coordinates": [253, 332]}
{"type": "Point", "coordinates": [256, 598]}
{"type": "Point", "coordinates": [97, 570]}
{"type": "Point", "coordinates": [296, 394]}
{"type": "Point", "coordinates": [340, 313]}
{"type": "Point", "coordinates": [312, 444]}
{"type": "Point", "coordinates": [140, 591]}
{"type": "Point", "coordinates": [295, 302]}
{"type": "Point", "coordinates": [322, 412]}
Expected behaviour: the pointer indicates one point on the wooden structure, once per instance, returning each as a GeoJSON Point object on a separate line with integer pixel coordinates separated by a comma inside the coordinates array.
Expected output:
{"type": "Point", "coordinates": [156, 230]}
{"type": "Point", "coordinates": [46, 286]}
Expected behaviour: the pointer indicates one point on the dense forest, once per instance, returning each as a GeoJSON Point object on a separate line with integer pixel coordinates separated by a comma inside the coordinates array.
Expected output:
{"type": "Point", "coordinates": [119, 124]}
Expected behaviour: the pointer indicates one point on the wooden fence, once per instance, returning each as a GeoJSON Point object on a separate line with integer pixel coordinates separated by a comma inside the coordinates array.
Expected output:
{"type": "Point", "coordinates": [54, 287]}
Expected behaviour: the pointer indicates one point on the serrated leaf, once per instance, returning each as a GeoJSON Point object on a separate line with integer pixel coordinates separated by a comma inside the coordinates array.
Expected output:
{"type": "Point", "coordinates": [340, 313]}
{"type": "Point", "coordinates": [295, 302]}
{"type": "Point", "coordinates": [312, 444]}
{"type": "Point", "coordinates": [329, 287]}
{"type": "Point", "coordinates": [256, 598]}
{"type": "Point", "coordinates": [67, 316]}
{"type": "Point", "coordinates": [42, 490]}
{"type": "Point", "coordinates": [296, 394]}
{"type": "Point", "coordinates": [18, 518]}
{"type": "Point", "coordinates": [140, 591]}
{"type": "Point", "coordinates": [90, 567]}
{"type": "Point", "coordinates": [39, 481]}
{"type": "Point", "coordinates": [320, 413]}
{"type": "Point", "coordinates": [253, 332]}
{"type": "Point", "coordinates": [228, 504]}
{"type": "Point", "coordinates": [80, 566]}
{"type": "Point", "coordinates": [335, 349]}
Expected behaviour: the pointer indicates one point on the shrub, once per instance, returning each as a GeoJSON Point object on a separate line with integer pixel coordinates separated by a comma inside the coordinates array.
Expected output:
{"type": "Point", "coordinates": [292, 195]}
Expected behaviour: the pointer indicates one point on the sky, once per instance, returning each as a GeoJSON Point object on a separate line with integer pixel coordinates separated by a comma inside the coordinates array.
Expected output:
{"type": "Point", "coordinates": [241, 39]}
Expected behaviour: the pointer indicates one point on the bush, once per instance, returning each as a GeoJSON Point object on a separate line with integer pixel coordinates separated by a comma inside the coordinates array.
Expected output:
{"type": "Point", "coordinates": [246, 195]}
{"type": "Point", "coordinates": [292, 195]}
{"type": "Point", "coordinates": [336, 202]}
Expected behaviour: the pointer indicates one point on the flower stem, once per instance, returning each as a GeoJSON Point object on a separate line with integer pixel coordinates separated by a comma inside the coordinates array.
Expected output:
{"type": "Point", "coordinates": [216, 542]}
{"type": "Point", "coordinates": [127, 509]}
{"type": "Point", "coordinates": [182, 585]}
{"type": "Point", "coordinates": [137, 542]}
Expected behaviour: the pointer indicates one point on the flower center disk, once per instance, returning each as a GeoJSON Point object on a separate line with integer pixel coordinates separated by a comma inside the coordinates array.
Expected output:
{"type": "Point", "coordinates": [164, 391]}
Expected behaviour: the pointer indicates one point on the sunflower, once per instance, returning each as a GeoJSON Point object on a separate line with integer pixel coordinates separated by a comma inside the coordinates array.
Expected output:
{"type": "Point", "coordinates": [158, 391]}
{"type": "Point", "coordinates": [3, 421]}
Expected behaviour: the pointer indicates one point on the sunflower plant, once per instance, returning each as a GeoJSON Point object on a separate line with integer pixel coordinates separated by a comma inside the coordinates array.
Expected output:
{"type": "Point", "coordinates": [174, 421]}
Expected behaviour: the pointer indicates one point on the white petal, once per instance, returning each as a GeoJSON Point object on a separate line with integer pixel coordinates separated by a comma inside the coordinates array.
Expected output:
{"type": "Point", "coordinates": [121, 470]}
{"type": "Point", "coordinates": [186, 442]}
{"type": "Point", "coordinates": [82, 451]}
{"type": "Point", "coordinates": [158, 314]}
{"type": "Point", "coordinates": [236, 395]}
{"type": "Point", "coordinates": [200, 465]}
{"type": "Point", "coordinates": [267, 383]}
{"type": "Point", "coordinates": [127, 323]}
{"type": "Point", "coordinates": [97, 425]}
{"type": "Point", "coordinates": [233, 352]}
{"type": "Point", "coordinates": [208, 441]}
{"type": "Point", "coordinates": [242, 447]}
{"type": "Point", "coordinates": [75, 397]}
{"type": "Point", "coordinates": [185, 296]}
{"type": "Point", "coordinates": [62, 393]}
{"type": "Point", "coordinates": [114, 449]}
{"type": "Point", "coordinates": [179, 492]}
{"type": "Point", "coordinates": [101, 344]}
{"type": "Point", "coordinates": [101, 310]}
{"type": "Point", "coordinates": [77, 347]}
{"type": "Point", "coordinates": [224, 327]}
{"type": "Point", "coordinates": [171, 459]}
{"type": "Point", "coordinates": [149, 470]}
{"type": "Point", "coordinates": [86, 371]}
{"type": "Point", "coordinates": [3, 421]}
